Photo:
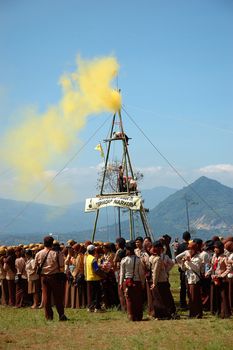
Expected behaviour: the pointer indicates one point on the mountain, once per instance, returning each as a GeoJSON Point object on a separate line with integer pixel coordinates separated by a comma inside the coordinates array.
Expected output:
{"type": "Point", "coordinates": [37, 217]}
{"type": "Point", "coordinates": [209, 207]}
{"type": "Point", "coordinates": [33, 219]}
{"type": "Point", "coordinates": [207, 203]}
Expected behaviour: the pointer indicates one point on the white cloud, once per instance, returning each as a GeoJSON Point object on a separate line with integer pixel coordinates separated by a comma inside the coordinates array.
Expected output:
{"type": "Point", "coordinates": [151, 170]}
{"type": "Point", "coordinates": [74, 184]}
{"type": "Point", "coordinates": [217, 169]}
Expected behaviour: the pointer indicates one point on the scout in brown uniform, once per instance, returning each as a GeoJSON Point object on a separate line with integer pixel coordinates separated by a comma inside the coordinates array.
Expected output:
{"type": "Point", "coordinates": [33, 278]}
{"type": "Point", "coordinates": [139, 246]}
{"type": "Point", "coordinates": [219, 299]}
{"type": "Point", "coordinates": [4, 287]}
{"type": "Point", "coordinates": [20, 278]}
{"type": "Point", "coordinates": [9, 268]}
{"type": "Point", "coordinates": [132, 279]}
{"type": "Point", "coordinates": [68, 271]}
{"type": "Point", "coordinates": [109, 282]}
{"type": "Point", "coordinates": [120, 254]}
{"type": "Point", "coordinates": [162, 299]}
{"type": "Point", "coordinates": [191, 263]}
{"type": "Point", "coordinates": [229, 248]}
{"type": "Point", "coordinates": [147, 245]}
{"type": "Point", "coordinates": [79, 295]}
{"type": "Point", "coordinates": [52, 263]}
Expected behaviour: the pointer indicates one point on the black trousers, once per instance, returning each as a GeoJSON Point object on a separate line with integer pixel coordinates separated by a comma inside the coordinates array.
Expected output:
{"type": "Point", "coordinates": [94, 294]}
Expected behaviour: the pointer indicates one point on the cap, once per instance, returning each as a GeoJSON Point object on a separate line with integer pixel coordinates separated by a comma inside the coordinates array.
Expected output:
{"type": "Point", "coordinates": [2, 251]}
{"type": "Point", "coordinates": [90, 248]}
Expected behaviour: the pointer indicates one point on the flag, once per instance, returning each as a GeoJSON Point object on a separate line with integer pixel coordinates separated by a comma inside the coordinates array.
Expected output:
{"type": "Point", "coordinates": [100, 149]}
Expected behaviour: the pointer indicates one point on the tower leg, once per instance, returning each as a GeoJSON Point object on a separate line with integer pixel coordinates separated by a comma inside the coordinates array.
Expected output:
{"type": "Point", "coordinates": [119, 220]}
{"type": "Point", "coordinates": [95, 225]}
{"type": "Point", "coordinates": [131, 224]}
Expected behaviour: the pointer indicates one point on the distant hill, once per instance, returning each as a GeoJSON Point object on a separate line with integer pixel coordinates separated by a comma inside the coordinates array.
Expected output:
{"type": "Point", "coordinates": [171, 215]}
{"type": "Point", "coordinates": [38, 219]}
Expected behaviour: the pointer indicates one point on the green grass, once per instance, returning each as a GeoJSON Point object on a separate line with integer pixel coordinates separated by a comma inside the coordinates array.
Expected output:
{"type": "Point", "coordinates": [27, 329]}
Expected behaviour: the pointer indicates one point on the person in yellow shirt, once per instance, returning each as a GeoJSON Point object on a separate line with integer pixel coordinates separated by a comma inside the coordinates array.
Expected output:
{"type": "Point", "coordinates": [93, 275]}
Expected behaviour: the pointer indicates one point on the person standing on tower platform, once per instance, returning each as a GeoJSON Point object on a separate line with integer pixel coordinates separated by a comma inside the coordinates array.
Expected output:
{"type": "Point", "coordinates": [121, 185]}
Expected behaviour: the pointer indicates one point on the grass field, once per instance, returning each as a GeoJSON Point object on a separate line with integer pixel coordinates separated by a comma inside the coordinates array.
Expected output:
{"type": "Point", "coordinates": [27, 329]}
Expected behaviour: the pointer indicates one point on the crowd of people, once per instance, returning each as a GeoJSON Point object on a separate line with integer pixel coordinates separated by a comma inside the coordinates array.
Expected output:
{"type": "Point", "coordinates": [128, 275]}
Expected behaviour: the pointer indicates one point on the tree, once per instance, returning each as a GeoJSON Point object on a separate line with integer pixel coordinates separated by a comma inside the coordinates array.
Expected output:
{"type": "Point", "coordinates": [111, 177]}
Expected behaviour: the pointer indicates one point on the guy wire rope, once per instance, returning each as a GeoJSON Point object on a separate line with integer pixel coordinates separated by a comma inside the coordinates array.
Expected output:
{"type": "Point", "coordinates": [172, 166]}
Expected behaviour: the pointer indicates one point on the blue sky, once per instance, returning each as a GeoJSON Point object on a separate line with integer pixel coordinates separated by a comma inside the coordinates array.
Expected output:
{"type": "Point", "coordinates": [176, 76]}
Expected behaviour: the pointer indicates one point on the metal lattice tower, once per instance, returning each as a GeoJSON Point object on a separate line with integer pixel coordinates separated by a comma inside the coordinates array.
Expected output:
{"type": "Point", "coordinates": [129, 174]}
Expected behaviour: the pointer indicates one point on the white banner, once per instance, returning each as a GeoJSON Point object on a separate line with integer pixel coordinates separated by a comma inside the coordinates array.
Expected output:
{"type": "Point", "coordinates": [130, 202]}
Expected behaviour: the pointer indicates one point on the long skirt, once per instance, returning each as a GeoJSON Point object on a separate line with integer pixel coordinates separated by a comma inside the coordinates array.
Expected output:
{"type": "Point", "coordinates": [219, 299]}
{"type": "Point", "coordinates": [195, 302]}
{"type": "Point", "coordinates": [5, 294]}
{"type": "Point", "coordinates": [163, 302]}
{"type": "Point", "coordinates": [79, 296]}
{"type": "Point", "coordinates": [67, 301]}
{"type": "Point", "coordinates": [150, 306]}
{"type": "Point", "coordinates": [134, 301]}
{"type": "Point", "coordinates": [11, 291]}
{"type": "Point", "coordinates": [21, 292]}
{"type": "Point", "coordinates": [121, 296]}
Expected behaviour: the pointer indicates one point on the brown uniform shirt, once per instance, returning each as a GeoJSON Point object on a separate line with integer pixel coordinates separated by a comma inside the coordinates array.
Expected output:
{"type": "Point", "coordinates": [79, 265]}
{"type": "Point", "coordinates": [53, 261]}
{"type": "Point", "coordinates": [158, 270]}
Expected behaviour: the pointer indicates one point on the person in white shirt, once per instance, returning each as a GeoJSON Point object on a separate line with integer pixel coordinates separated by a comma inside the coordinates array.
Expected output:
{"type": "Point", "coordinates": [33, 278]}
{"type": "Point", "coordinates": [191, 264]}
{"type": "Point", "coordinates": [20, 278]}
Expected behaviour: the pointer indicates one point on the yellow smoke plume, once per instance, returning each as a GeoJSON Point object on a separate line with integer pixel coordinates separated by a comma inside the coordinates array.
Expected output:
{"type": "Point", "coordinates": [32, 147]}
